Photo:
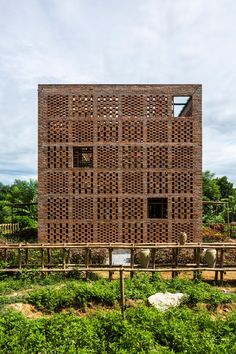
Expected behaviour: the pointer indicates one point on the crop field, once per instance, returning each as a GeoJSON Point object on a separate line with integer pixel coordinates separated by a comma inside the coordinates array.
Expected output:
{"type": "Point", "coordinates": [58, 314]}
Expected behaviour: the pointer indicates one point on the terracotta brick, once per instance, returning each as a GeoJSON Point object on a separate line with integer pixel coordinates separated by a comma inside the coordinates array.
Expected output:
{"type": "Point", "coordinates": [139, 151]}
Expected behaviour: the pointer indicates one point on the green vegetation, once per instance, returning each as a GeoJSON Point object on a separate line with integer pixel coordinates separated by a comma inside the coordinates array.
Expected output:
{"type": "Point", "coordinates": [218, 189]}
{"type": "Point", "coordinates": [145, 330]}
{"type": "Point", "coordinates": [20, 192]}
{"type": "Point", "coordinates": [186, 329]}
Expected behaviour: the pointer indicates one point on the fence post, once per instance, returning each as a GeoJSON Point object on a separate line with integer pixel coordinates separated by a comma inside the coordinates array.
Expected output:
{"type": "Point", "coordinates": [64, 257]}
{"type": "Point", "coordinates": [26, 255]}
{"type": "Point", "coordinates": [122, 293]}
{"type": "Point", "coordinates": [132, 262]}
{"type": "Point", "coordinates": [217, 261]}
{"type": "Point", "coordinates": [87, 261]}
{"type": "Point", "coordinates": [175, 253]}
{"type": "Point", "coordinates": [221, 266]}
{"type": "Point", "coordinates": [154, 252]}
{"type": "Point", "coordinates": [42, 258]}
{"type": "Point", "coordinates": [110, 263]}
{"type": "Point", "coordinates": [20, 258]}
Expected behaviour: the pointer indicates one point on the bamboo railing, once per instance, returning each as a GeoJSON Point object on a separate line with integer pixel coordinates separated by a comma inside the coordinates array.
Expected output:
{"type": "Point", "coordinates": [6, 229]}
{"type": "Point", "coordinates": [45, 260]}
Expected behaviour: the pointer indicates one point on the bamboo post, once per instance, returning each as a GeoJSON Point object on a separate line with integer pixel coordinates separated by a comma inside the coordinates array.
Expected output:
{"type": "Point", "coordinates": [20, 258]}
{"type": "Point", "coordinates": [49, 255]}
{"type": "Point", "coordinates": [26, 255]}
{"type": "Point", "coordinates": [154, 252]}
{"type": "Point", "coordinates": [217, 261]}
{"type": "Point", "coordinates": [5, 254]}
{"type": "Point", "coordinates": [221, 266]}
{"type": "Point", "coordinates": [122, 293]}
{"type": "Point", "coordinates": [195, 261]}
{"type": "Point", "coordinates": [64, 257]}
{"type": "Point", "coordinates": [132, 262]}
{"type": "Point", "coordinates": [87, 261]}
{"type": "Point", "coordinates": [110, 263]}
{"type": "Point", "coordinates": [174, 261]}
{"type": "Point", "coordinates": [198, 254]}
{"type": "Point", "coordinates": [68, 256]}
{"type": "Point", "coordinates": [42, 258]}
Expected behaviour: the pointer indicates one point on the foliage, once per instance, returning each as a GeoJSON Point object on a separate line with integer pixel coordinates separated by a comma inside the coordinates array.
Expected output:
{"type": "Point", "coordinates": [218, 189]}
{"type": "Point", "coordinates": [74, 293]}
{"type": "Point", "coordinates": [145, 330]}
{"type": "Point", "coordinates": [80, 293]}
{"type": "Point", "coordinates": [20, 193]}
{"type": "Point", "coordinates": [186, 329]}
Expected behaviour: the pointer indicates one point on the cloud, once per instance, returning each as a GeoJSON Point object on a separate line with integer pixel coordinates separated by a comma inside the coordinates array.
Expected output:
{"type": "Point", "coordinates": [134, 41]}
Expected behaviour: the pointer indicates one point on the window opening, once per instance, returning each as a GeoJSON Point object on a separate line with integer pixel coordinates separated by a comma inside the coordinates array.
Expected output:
{"type": "Point", "coordinates": [157, 208]}
{"type": "Point", "coordinates": [182, 106]}
{"type": "Point", "coordinates": [82, 156]}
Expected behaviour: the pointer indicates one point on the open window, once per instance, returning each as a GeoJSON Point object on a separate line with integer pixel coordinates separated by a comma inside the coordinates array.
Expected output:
{"type": "Point", "coordinates": [82, 156]}
{"type": "Point", "coordinates": [157, 208]}
{"type": "Point", "coordinates": [182, 106]}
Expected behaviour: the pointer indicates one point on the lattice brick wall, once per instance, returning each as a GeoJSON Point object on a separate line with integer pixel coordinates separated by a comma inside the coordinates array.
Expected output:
{"type": "Point", "coordinates": [132, 157]}
{"type": "Point", "coordinates": [107, 131]}
{"type": "Point", "coordinates": [157, 157]}
{"type": "Point", "coordinates": [132, 131]}
{"type": "Point", "coordinates": [58, 208]}
{"type": "Point", "coordinates": [157, 131]}
{"type": "Point", "coordinates": [58, 132]}
{"type": "Point", "coordinates": [182, 131]}
{"type": "Point", "coordinates": [107, 157]}
{"type": "Point", "coordinates": [58, 106]}
{"type": "Point", "coordinates": [82, 208]}
{"type": "Point", "coordinates": [57, 182]}
{"type": "Point", "coordinates": [115, 165]}
{"type": "Point", "coordinates": [107, 183]}
{"type": "Point", "coordinates": [82, 131]}
{"type": "Point", "coordinates": [107, 106]}
{"type": "Point", "coordinates": [157, 182]}
{"type": "Point", "coordinates": [132, 106]}
{"type": "Point", "coordinates": [157, 106]}
{"type": "Point", "coordinates": [82, 106]}
{"type": "Point", "coordinates": [83, 182]}
{"type": "Point", "coordinates": [157, 232]}
{"type": "Point", "coordinates": [132, 232]}
{"type": "Point", "coordinates": [132, 182]}
{"type": "Point", "coordinates": [58, 157]}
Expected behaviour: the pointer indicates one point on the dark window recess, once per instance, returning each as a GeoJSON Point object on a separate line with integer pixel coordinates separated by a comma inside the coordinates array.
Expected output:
{"type": "Point", "coordinates": [157, 208]}
{"type": "Point", "coordinates": [182, 106]}
{"type": "Point", "coordinates": [82, 156]}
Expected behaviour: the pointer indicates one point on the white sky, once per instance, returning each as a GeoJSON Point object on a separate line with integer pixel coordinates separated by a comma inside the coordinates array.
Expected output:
{"type": "Point", "coordinates": [116, 41]}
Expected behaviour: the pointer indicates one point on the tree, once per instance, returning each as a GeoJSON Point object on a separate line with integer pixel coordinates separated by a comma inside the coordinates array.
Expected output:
{"type": "Point", "coordinates": [17, 198]}
{"type": "Point", "coordinates": [211, 190]}
{"type": "Point", "coordinates": [4, 189]}
{"type": "Point", "coordinates": [226, 187]}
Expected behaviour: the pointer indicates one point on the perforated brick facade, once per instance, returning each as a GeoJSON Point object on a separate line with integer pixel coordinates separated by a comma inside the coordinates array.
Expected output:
{"type": "Point", "coordinates": [140, 180]}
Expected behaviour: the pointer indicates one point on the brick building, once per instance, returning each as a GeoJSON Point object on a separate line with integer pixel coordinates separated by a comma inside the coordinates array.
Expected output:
{"type": "Point", "coordinates": [119, 163]}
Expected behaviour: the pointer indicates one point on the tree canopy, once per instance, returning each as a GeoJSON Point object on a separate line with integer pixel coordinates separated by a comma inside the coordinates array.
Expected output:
{"type": "Point", "coordinates": [17, 198]}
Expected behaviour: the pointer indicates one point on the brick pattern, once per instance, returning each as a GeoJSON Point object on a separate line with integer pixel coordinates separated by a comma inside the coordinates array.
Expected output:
{"type": "Point", "coordinates": [140, 151]}
{"type": "Point", "coordinates": [107, 106]}
{"type": "Point", "coordinates": [82, 106]}
{"type": "Point", "coordinates": [82, 131]}
{"type": "Point", "coordinates": [157, 106]}
{"type": "Point", "coordinates": [157, 131]}
{"type": "Point", "coordinates": [107, 131]}
{"type": "Point", "coordinates": [157, 232]}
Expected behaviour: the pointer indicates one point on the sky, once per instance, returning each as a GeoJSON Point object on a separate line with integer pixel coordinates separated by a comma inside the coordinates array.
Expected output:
{"type": "Point", "coordinates": [116, 41]}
